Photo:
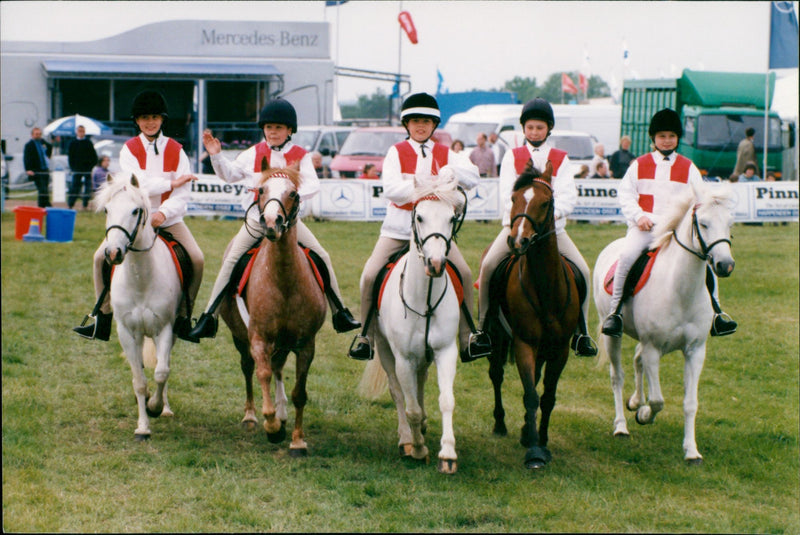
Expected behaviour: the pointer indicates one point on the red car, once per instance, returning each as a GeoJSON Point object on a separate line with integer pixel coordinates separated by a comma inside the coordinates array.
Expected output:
{"type": "Point", "coordinates": [369, 145]}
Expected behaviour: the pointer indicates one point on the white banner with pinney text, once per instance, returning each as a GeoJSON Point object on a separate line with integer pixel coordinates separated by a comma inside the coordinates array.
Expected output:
{"type": "Point", "coordinates": [362, 200]}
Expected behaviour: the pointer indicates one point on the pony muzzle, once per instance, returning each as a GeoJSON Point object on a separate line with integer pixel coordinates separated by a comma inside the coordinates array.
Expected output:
{"type": "Point", "coordinates": [114, 255]}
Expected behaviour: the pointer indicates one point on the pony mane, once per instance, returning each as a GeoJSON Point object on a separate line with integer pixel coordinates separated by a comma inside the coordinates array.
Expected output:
{"type": "Point", "coordinates": [702, 198]}
{"type": "Point", "coordinates": [291, 172]}
{"type": "Point", "coordinates": [116, 183]}
{"type": "Point", "coordinates": [527, 176]}
{"type": "Point", "coordinates": [446, 191]}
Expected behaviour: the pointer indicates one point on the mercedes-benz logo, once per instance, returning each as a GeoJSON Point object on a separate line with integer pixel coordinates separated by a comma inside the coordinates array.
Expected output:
{"type": "Point", "coordinates": [342, 196]}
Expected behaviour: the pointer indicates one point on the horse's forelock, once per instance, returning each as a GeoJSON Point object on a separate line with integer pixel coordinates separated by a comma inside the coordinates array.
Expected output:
{"type": "Point", "coordinates": [526, 178]}
{"type": "Point", "coordinates": [290, 173]}
{"type": "Point", "coordinates": [446, 191]}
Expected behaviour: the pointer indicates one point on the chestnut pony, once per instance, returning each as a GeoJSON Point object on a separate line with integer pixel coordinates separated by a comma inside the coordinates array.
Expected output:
{"type": "Point", "coordinates": [286, 308]}
{"type": "Point", "coordinates": [540, 305]}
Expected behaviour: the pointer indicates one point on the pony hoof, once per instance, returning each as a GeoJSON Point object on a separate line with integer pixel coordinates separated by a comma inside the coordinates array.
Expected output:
{"type": "Point", "coordinates": [152, 413]}
{"type": "Point", "coordinates": [297, 453]}
{"type": "Point", "coordinates": [631, 406]}
{"type": "Point", "coordinates": [278, 436]}
{"type": "Point", "coordinates": [694, 462]}
{"type": "Point", "coordinates": [643, 419]}
{"type": "Point", "coordinates": [537, 457]}
{"type": "Point", "coordinates": [500, 430]}
{"type": "Point", "coordinates": [405, 450]}
{"type": "Point", "coordinates": [166, 413]}
{"type": "Point", "coordinates": [622, 434]}
{"type": "Point", "coordinates": [141, 437]}
{"type": "Point", "coordinates": [248, 425]}
{"type": "Point", "coordinates": [447, 466]}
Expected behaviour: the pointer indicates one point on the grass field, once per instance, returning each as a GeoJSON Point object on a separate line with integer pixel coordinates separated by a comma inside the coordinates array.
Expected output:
{"type": "Point", "coordinates": [70, 463]}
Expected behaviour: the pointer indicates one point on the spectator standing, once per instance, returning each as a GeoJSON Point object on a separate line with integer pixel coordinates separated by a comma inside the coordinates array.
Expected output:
{"type": "Point", "coordinates": [749, 174]}
{"type": "Point", "coordinates": [745, 152]}
{"type": "Point", "coordinates": [323, 171]}
{"type": "Point", "coordinates": [599, 156]}
{"type": "Point", "coordinates": [100, 172]}
{"type": "Point", "coordinates": [483, 157]}
{"type": "Point", "coordinates": [498, 149]}
{"type": "Point", "coordinates": [81, 157]}
{"type": "Point", "coordinates": [36, 158]}
{"type": "Point", "coordinates": [621, 159]}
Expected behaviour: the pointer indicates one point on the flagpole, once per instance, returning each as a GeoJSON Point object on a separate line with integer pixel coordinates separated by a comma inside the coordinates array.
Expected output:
{"type": "Point", "coordinates": [766, 99]}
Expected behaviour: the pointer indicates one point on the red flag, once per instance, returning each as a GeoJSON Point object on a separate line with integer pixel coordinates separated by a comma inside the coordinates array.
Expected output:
{"type": "Point", "coordinates": [567, 85]}
{"type": "Point", "coordinates": [583, 83]}
{"type": "Point", "coordinates": [408, 26]}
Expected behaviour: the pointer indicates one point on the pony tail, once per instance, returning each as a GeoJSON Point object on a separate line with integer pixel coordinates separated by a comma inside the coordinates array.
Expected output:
{"type": "Point", "coordinates": [374, 380]}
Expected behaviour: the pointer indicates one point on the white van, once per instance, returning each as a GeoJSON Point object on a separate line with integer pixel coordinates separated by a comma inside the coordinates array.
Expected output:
{"type": "Point", "coordinates": [485, 118]}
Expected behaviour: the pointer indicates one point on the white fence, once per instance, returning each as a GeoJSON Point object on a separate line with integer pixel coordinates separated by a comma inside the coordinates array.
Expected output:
{"type": "Point", "coordinates": [362, 200]}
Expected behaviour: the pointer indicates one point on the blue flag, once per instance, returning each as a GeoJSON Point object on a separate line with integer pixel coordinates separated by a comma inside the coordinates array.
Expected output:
{"type": "Point", "coordinates": [441, 81]}
{"type": "Point", "coordinates": [783, 49]}
{"type": "Point", "coordinates": [330, 3]}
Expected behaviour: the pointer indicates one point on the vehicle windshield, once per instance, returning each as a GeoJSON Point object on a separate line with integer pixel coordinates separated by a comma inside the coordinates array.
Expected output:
{"type": "Point", "coordinates": [370, 143]}
{"type": "Point", "coordinates": [305, 138]}
{"type": "Point", "coordinates": [577, 147]}
{"type": "Point", "coordinates": [468, 132]}
{"type": "Point", "coordinates": [717, 132]}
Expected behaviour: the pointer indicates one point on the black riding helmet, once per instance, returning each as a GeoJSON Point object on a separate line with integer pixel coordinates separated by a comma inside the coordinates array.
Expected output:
{"type": "Point", "coordinates": [666, 120]}
{"type": "Point", "coordinates": [540, 109]}
{"type": "Point", "coordinates": [420, 105]}
{"type": "Point", "coordinates": [278, 111]}
{"type": "Point", "coordinates": [149, 103]}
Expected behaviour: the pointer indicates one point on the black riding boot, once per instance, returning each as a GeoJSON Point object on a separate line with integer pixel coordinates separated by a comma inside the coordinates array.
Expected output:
{"type": "Point", "coordinates": [723, 324]}
{"type": "Point", "coordinates": [582, 344]}
{"type": "Point", "coordinates": [182, 329]}
{"type": "Point", "coordinates": [100, 329]}
{"type": "Point", "coordinates": [612, 326]}
{"type": "Point", "coordinates": [360, 348]}
{"type": "Point", "coordinates": [206, 326]}
{"type": "Point", "coordinates": [343, 321]}
{"type": "Point", "coordinates": [480, 345]}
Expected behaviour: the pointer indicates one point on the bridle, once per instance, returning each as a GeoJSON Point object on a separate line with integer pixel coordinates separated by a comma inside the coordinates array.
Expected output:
{"type": "Point", "coordinates": [142, 217]}
{"type": "Point", "coordinates": [289, 217]}
{"type": "Point", "coordinates": [705, 250]}
{"type": "Point", "coordinates": [457, 221]}
{"type": "Point", "coordinates": [420, 243]}
{"type": "Point", "coordinates": [540, 230]}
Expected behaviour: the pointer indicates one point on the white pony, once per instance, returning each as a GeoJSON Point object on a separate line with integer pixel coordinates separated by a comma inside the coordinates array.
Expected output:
{"type": "Point", "coordinates": [145, 289]}
{"type": "Point", "coordinates": [672, 311]}
{"type": "Point", "coordinates": [418, 324]}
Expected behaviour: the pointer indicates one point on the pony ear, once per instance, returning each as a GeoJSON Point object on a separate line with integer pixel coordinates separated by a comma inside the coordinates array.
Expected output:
{"type": "Point", "coordinates": [109, 178]}
{"type": "Point", "coordinates": [548, 171]}
{"type": "Point", "coordinates": [134, 181]}
{"type": "Point", "coordinates": [264, 164]}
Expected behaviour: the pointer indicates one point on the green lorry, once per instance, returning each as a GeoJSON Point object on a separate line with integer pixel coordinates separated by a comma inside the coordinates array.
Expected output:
{"type": "Point", "coordinates": [716, 109]}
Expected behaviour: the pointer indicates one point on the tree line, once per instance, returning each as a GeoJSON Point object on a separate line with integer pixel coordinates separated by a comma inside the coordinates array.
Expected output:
{"type": "Point", "coordinates": [377, 105]}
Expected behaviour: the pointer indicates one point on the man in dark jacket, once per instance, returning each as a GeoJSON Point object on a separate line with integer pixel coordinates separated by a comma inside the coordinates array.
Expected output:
{"type": "Point", "coordinates": [82, 158]}
{"type": "Point", "coordinates": [621, 159]}
{"type": "Point", "coordinates": [36, 158]}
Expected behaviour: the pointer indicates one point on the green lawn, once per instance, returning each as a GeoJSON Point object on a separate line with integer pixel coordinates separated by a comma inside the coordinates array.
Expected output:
{"type": "Point", "coordinates": [70, 463]}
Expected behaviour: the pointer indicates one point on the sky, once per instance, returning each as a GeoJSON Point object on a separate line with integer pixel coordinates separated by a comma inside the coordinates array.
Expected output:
{"type": "Point", "coordinates": [473, 44]}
